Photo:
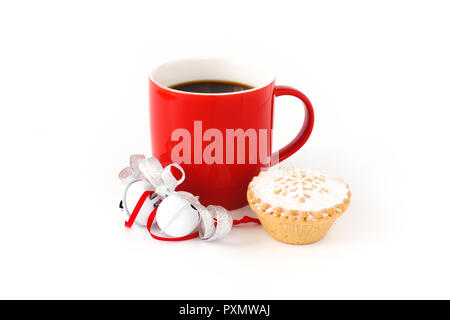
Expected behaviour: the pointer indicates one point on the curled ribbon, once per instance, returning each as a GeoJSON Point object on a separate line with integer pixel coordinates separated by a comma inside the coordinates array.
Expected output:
{"type": "Point", "coordinates": [215, 221]}
{"type": "Point", "coordinates": [157, 179]}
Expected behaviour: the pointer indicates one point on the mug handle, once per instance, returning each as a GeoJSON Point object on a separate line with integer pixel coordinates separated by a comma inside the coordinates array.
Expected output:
{"type": "Point", "coordinates": [304, 132]}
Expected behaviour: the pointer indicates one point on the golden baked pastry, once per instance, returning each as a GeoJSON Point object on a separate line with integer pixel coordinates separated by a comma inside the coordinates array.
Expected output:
{"type": "Point", "coordinates": [297, 206]}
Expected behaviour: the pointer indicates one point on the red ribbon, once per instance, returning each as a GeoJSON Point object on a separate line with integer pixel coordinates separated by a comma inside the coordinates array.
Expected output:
{"type": "Point", "coordinates": [151, 218]}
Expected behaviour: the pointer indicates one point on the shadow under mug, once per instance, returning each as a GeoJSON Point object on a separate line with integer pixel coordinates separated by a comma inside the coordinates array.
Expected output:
{"type": "Point", "coordinates": [212, 135]}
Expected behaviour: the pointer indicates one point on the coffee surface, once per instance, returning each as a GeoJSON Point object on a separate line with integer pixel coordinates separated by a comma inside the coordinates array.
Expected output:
{"type": "Point", "coordinates": [211, 86]}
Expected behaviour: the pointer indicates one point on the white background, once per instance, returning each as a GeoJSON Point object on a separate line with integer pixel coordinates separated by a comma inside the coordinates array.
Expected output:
{"type": "Point", "coordinates": [74, 106]}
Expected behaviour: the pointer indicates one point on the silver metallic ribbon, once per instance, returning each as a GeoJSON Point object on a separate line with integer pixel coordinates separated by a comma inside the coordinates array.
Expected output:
{"type": "Point", "coordinates": [215, 221]}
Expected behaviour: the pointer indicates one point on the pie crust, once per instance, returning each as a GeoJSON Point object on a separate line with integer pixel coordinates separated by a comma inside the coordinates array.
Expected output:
{"type": "Point", "coordinates": [297, 206]}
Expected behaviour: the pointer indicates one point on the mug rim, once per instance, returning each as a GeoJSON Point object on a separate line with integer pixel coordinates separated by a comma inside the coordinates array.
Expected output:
{"type": "Point", "coordinates": [270, 75]}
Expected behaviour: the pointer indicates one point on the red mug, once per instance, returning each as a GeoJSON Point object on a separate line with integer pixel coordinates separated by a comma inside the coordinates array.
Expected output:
{"type": "Point", "coordinates": [222, 140]}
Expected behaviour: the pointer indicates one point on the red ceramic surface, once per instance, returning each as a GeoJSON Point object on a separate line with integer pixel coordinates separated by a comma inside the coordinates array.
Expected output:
{"type": "Point", "coordinates": [220, 184]}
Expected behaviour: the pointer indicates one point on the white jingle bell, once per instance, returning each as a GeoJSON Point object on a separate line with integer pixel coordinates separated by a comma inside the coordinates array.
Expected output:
{"type": "Point", "coordinates": [176, 216]}
{"type": "Point", "coordinates": [133, 194]}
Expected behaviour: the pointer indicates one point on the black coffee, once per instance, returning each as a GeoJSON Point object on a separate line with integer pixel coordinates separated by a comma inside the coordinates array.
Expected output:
{"type": "Point", "coordinates": [211, 86]}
